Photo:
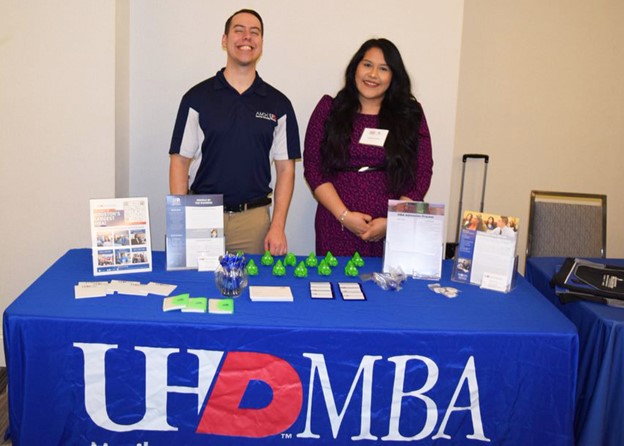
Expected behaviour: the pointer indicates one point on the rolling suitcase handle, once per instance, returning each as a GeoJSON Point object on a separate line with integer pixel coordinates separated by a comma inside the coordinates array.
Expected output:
{"type": "Point", "coordinates": [465, 157]}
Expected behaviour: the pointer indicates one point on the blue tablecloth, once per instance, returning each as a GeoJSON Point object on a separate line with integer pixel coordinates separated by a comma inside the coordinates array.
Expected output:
{"type": "Point", "coordinates": [408, 366]}
{"type": "Point", "coordinates": [600, 393]}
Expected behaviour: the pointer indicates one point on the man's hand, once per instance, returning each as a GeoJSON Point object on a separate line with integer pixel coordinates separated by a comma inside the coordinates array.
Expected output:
{"type": "Point", "coordinates": [275, 242]}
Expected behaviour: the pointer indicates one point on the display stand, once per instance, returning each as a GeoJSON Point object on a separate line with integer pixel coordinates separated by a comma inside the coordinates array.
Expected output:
{"type": "Point", "coordinates": [120, 236]}
{"type": "Point", "coordinates": [414, 239]}
{"type": "Point", "coordinates": [195, 238]}
{"type": "Point", "coordinates": [486, 254]}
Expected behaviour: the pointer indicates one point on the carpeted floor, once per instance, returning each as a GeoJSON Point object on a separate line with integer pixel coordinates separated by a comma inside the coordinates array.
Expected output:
{"type": "Point", "coordinates": [4, 407]}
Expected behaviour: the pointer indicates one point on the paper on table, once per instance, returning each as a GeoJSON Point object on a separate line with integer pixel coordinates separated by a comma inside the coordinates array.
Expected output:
{"type": "Point", "coordinates": [270, 294]}
{"type": "Point", "coordinates": [175, 302]}
{"type": "Point", "coordinates": [351, 291]}
{"type": "Point", "coordinates": [220, 306]}
{"type": "Point", "coordinates": [321, 290]}
{"type": "Point", "coordinates": [495, 282]}
{"type": "Point", "coordinates": [132, 289]}
{"type": "Point", "coordinates": [195, 305]}
{"type": "Point", "coordinates": [115, 286]}
{"type": "Point", "coordinates": [161, 289]}
{"type": "Point", "coordinates": [85, 290]}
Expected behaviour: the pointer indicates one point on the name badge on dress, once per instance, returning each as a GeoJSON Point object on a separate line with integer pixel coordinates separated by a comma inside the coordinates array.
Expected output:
{"type": "Point", "coordinates": [374, 137]}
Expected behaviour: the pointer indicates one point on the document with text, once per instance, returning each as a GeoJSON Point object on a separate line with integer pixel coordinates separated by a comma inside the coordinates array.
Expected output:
{"type": "Point", "coordinates": [414, 238]}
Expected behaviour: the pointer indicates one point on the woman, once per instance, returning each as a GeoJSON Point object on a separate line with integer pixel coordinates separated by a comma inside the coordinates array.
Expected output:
{"type": "Point", "coordinates": [352, 169]}
{"type": "Point", "coordinates": [476, 224]}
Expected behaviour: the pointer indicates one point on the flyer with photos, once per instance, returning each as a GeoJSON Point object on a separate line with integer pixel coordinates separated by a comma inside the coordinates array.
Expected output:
{"type": "Point", "coordinates": [414, 238]}
{"type": "Point", "coordinates": [120, 235]}
{"type": "Point", "coordinates": [486, 254]}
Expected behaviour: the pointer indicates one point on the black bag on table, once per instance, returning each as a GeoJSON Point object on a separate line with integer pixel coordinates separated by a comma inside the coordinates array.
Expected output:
{"type": "Point", "coordinates": [592, 281]}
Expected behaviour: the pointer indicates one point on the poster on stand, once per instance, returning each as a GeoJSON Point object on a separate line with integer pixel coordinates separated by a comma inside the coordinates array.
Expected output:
{"type": "Point", "coordinates": [486, 254]}
{"type": "Point", "coordinates": [414, 239]}
{"type": "Point", "coordinates": [195, 237]}
{"type": "Point", "coordinates": [120, 236]}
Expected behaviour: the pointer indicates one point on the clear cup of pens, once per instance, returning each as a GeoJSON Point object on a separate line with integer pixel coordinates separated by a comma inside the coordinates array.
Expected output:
{"type": "Point", "coordinates": [231, 275]}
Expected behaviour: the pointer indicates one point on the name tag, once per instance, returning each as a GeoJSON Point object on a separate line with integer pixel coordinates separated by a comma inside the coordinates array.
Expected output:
{"type": "Point", "coordinates": [374, 137]}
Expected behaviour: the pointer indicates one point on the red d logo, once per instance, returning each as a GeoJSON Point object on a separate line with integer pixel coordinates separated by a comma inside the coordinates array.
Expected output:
{"type": "Point", "coordinates": [223, 415]}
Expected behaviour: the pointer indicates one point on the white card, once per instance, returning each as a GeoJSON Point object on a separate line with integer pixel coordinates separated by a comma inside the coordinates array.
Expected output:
{"type": "Point", "coordinates": [270, 294]}
{"type": "Point", "coordinates": [207, 262]}
{"type": "Point", "coordinates": [161, 289]}
{"type": "Point", "coordinates": [321, 290]}
{"type": "Point", "coordinates": [351, 291]}
{"type": "Point", "coordinates": [115, 285]}
{"type": "Point", "coordinates": [353, 296]}
{"type": "Point", "coordinates": [374, 137]}
{"type": "Point", "coordinates": [131, 288]}
{"type": "Point", "coordinates": [85, 290]}
{"type": "Point", "coordinates": [494, 282]}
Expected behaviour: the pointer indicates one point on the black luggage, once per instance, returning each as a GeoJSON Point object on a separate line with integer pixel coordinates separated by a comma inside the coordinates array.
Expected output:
{"type": "Point", "coordinates": [452, 246]}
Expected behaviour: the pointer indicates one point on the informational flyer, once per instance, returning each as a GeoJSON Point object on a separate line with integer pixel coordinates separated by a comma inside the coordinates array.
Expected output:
{"type": "Point", "coordinates": [120, 235]}
{"type": "Point", "coordinates": [194, 231]}
{"type": "Point", "coordinates": [414, 238]}
{"type": "Point", "coordinates": [486, 254]}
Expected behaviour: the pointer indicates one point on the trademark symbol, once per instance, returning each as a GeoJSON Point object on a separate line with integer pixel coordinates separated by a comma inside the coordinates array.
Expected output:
{"type": "Point", "coordinates": [286, 436]}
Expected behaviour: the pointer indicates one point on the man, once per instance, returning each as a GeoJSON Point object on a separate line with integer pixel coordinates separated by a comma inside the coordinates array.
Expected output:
{"type": "Point", "coordinates": [502, 228]}
{"type": "Point", "coordinates": [228, 130]}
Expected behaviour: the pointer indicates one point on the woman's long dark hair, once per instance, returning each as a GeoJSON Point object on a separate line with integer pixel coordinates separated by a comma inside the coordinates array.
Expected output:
{"type": "Point", "coordinates": [400, 113]}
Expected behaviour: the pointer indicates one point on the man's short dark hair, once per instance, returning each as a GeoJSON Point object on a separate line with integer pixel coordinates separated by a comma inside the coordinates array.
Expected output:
{"type": "Point", "coordinates": [228, 22]}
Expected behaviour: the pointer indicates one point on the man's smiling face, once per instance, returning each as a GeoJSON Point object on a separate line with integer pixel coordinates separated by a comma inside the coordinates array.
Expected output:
{"type": "Point", "coordinates": [243, 41]}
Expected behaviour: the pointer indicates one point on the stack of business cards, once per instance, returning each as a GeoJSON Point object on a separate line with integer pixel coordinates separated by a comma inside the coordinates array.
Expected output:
{"type": "Point", "coordinates": [270, 294]}
{"type": "Point", "coordinates": [175, 302]}
{"type": "Point", "coordinates": [221, 306]}
{"type": "Point", "coordinates": [130, 287]}
{"type": "Point", "coordinates": [160, 289]}
{"type": "Point", "coordinates": [321, 290]}
{"type": "Point", "coordinates": [90, 289]}
{"type": "Point", "coordinates": [351, 291]}
{"type": "Point", "coordinates": [196, 305]}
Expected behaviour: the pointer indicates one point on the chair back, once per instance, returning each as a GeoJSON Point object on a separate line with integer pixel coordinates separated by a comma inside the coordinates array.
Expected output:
{"type": "Point", "coordinates": [563, 224]}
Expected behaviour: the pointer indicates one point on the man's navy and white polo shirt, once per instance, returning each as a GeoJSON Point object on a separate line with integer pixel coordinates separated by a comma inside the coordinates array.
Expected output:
{"type": "Point", "coordinates": [232, 138]}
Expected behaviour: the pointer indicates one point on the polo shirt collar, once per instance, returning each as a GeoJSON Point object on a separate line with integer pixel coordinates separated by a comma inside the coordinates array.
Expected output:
{"type": "Point", "coordinates": [258, 86]}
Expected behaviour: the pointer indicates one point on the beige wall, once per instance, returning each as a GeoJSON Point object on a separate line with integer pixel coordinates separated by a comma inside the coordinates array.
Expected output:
{"type": "Point", "coordinates": [122, 98]}
{"type": "Point", "coordinates": [541, 91]}
{"type": "Point", "coordinates": [57, 130]}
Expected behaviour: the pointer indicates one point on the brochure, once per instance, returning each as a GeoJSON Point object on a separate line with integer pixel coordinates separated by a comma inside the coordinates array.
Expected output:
{"type": "Point", "coordinates": [196, 305]}
{"type": "Point", "coordinates": [486, 254]}
{"type": "Point", "coordinates": [175, 302]}
{"type": "Point", "coordinates": [220, 306]}
{"type": "Point", "coordinates": [120, 236]}
{"type": "Point", "coordinates": [194, 231]}
{"type": "Point", "coordinates": [414, 239]}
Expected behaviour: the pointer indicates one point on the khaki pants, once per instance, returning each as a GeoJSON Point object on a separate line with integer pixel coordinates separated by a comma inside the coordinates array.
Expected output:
{"type": "Point", "coordinates": [245, 231]}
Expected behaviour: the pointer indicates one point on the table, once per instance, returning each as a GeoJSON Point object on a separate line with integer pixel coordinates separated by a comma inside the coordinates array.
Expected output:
{"type": "Point", "coordinates": [406, 366]}
{"type": "Point", "coordinates": [600, 393]}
